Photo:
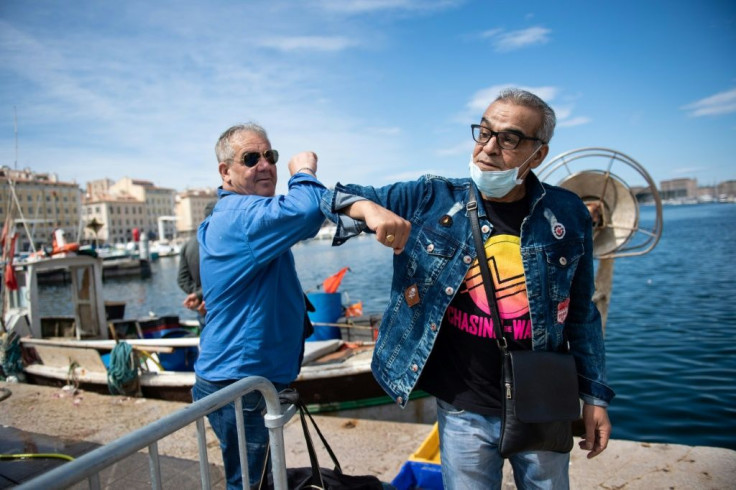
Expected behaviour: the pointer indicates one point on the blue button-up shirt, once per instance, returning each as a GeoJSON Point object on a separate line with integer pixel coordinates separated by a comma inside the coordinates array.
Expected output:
{"type": "Point", "coordinates": [255, 305]}
{"type": "Point", "coordinates": [556, 251]}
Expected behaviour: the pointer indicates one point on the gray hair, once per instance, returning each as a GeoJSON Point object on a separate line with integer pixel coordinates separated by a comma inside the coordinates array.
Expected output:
{"type": "Point", "coordinates": [224, 150]}
{"type": "Point", "coordinates": [527, 99]}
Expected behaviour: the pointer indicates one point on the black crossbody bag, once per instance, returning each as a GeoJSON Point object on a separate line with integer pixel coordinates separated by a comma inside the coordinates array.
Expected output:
{"type": "Point", "coordinates": [540, 389]}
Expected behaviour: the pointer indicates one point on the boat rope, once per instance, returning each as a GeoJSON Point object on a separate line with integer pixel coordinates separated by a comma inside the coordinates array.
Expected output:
{"type": "Point", "coordinates": [11, 356]}
{"type": "Point", "coordinates": [37, 455]}
{"type": "Point", "coordinates": [122, 375]}
{"type": "Point", "coordinates": [72, 379]}
{"type": "Point", "coordinates": [147, 355]}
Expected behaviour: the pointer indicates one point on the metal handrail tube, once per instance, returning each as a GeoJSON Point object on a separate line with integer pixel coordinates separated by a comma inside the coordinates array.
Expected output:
{"type": "Point", "coordinates": [91, 464]}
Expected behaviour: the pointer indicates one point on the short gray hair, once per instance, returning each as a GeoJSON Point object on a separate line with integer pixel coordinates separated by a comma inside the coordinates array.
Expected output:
{"type": "Point", "coordinates": [224, 150]}
{"type": "Point", "coordinates": [527, 99]}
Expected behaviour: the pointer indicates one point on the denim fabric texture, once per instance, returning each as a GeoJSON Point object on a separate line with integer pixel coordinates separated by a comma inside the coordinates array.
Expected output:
{"type": "Point", "coordinates": [557, 254]}
{"type": "Point", "coordinates": [223, 424]}
{"type": "Point", "coordinates": [470, 457]}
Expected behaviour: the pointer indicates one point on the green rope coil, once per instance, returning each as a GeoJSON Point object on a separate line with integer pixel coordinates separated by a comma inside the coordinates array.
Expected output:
{"type": "Point", "coordinates": [122, 374]}
{"type": "Point", "coordinates": [12, 362]}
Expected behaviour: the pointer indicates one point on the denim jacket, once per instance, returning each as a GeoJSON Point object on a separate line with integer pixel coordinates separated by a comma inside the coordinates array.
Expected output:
{"type": "Point", "coordinates": [557, 254]}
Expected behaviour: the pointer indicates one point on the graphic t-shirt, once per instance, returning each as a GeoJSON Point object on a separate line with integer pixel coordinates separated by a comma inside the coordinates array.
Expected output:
{"type": "Point", "coordinates": [464, 368]}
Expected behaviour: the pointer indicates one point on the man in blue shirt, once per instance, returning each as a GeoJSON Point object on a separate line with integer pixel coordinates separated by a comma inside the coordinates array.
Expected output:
{"type": "Point", "coordinates": [254, 301]}
{"type": "Point", "coordinates": [436, 332]}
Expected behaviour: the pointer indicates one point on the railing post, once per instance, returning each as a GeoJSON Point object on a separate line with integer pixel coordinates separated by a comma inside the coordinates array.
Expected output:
{"type": "Point", "coordinates": [154, 466]}
{"type": "Point", "coordinates": [204, 465]}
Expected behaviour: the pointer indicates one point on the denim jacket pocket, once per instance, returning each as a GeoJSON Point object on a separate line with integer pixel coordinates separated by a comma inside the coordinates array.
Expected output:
{"type": "Point", "coordinates": [562, 261]}
{"type": "Point", "coordinates": [431, 253]}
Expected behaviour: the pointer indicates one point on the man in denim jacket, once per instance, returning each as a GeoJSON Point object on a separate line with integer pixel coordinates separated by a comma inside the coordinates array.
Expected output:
{"type": "Point", "coordinates": [437, 333]}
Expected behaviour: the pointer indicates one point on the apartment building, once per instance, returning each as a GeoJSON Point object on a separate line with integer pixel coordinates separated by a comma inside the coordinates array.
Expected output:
{"type": "Point", "coordinates": [112, 219]}
{"type": "Point", "coordinates": [190, 206]}
{"type": "Point", "coordinates": [39, 203]}
{"type": "Point", "coordinates": [115, 209]}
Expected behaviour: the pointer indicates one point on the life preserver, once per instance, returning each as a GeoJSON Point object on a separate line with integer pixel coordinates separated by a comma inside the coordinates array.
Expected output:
{"type": "Point", "coordinates": [68, 247]}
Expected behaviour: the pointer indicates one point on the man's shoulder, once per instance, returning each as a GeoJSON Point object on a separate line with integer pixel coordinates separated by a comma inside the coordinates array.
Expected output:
{"type": "Point", "coordinates": [453, 183]}
{"type": "Point", "coordinates": [557, 193]}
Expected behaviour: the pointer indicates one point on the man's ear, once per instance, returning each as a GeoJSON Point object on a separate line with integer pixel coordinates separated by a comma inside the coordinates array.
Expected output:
{"type": "Point", "coordinates": [224, 170]}
{"type": "Point", "coordinates": [539, 156]}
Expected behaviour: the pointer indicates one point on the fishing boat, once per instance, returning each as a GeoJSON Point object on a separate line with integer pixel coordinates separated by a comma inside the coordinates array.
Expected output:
{"type": "Point", "coordinates": [76, 349]}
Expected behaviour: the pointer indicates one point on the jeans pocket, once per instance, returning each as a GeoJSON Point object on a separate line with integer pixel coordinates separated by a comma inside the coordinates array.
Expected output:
{"type": "Point", "coordinates": [447, 408]}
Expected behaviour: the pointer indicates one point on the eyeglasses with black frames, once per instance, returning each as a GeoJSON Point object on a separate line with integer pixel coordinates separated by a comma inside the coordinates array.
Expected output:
{"type": "Point", "coordinates": [251, 158]}
{"type": "Point", "coordinates": [508, 140]}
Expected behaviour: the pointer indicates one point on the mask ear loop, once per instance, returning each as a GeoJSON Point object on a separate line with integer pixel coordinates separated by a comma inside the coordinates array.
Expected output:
{"type": "Point", "coordinates": [519, 178]}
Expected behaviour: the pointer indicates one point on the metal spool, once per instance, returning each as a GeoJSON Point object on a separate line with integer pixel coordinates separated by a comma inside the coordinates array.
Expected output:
{"type": "Point", "coordinates": [588, 172]}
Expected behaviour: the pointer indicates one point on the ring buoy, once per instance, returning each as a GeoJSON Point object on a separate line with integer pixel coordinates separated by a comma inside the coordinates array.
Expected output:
{"type": "Point", "coordinates": [68, 247]}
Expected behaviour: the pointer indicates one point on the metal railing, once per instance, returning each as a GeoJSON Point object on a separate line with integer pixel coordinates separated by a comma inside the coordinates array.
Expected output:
{"type": "Point", "coordinates": [89, 465]}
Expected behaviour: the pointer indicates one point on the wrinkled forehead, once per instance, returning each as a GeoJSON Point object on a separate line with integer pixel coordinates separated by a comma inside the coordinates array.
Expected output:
{"type": "Point", "coordinates": [249, 141]}
{"type": "Point", "coordinates": [502, 115]}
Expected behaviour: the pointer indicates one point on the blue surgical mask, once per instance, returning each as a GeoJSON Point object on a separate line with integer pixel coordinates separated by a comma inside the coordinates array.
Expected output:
{"type": "Point", "coordinates": [497, 183]}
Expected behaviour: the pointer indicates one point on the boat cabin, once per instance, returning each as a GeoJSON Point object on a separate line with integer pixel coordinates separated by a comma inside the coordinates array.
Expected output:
{"type": "Point", "coordinates": [22, 307]}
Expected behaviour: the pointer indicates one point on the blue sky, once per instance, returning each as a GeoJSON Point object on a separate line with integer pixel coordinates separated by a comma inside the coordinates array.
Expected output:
{"type": "Point", "coordinates": [381, 90]}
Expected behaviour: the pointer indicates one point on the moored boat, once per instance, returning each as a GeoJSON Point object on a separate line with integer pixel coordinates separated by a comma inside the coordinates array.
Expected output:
{"type": "Point", "coordinates": [335, 375]}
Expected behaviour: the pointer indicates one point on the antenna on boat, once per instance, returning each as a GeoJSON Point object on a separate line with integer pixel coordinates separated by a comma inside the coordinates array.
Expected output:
{"type": "Point", "coordinates": [15, 130]}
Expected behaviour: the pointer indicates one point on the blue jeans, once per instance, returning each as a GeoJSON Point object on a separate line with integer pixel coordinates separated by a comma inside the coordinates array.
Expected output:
{"type": "Point", "coordinates": [470, 457]}
{"type": "Point", "coordinates": [223, 423]}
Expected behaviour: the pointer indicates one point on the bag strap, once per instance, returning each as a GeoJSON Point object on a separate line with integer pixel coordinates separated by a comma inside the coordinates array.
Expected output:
{"type": "Point", "coordinates": [316, 478]}
{"type": "Point", "coordinates": [490, 289]}
{"type": "Point", "coordinates": [488, 285]}
{"type": "Point", "coordinates": [302, 411]}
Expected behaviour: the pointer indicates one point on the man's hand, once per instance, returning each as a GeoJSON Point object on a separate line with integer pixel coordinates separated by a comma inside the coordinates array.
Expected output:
{"type": "Point", "coordinates": [597, 430]}
{"type": "Point", "coordinates": [191, 301]}
{"type": "Point", "coordinates": [391, 229]}
{"type": "Point", "coordinates": [201, 309]}
{"type": "Point", "coordinates": [305, 161]}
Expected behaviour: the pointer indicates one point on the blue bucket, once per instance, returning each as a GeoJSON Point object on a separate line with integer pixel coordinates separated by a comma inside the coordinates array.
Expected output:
{"type": "Point", "coordinates": [183, 358]}
{"type": "Point", "coordinates": [328, 308]}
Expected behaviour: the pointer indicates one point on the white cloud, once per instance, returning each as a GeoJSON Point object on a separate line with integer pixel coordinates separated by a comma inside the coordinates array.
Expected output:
{"type": "Point", "coordinates": [574, 121]}
{"type": "Point", "coordinates": [365, 6]}
{"type": "Point", "coordinates": [715, 105]}
{"type": "Point", "coordinates": [479, 100]}
{"type": "Point", "coordinates": [308, 43]}
{"type": "Point", "coordinates": [512, 40]}
{"type": "Point", "coordinates": [459, 149]}
{"type": "Point", "coordinates": [409, 175]}
{"type": "Point", "coordinates": [688, 170]}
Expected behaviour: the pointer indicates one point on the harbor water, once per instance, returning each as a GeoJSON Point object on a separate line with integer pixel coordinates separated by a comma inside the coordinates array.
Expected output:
{"type": "Point", "coordinates": [670, 337]}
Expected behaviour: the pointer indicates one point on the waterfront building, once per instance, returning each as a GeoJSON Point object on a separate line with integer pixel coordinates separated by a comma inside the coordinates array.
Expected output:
{"type": "Point", "coordinates": [111, 219]}
{"type": "Point", "coordinates": [39, 203]}
{"type": "Point", "coordinates": [726, 190]}
{"type": "Point", "coordinates": [190, 205]}
{"type": "Point", "coordinates": [679, 189]}
{"type": "Point", "coordinates": [159, 205]}
{"type": "Point", "coordinates": [128, 204]}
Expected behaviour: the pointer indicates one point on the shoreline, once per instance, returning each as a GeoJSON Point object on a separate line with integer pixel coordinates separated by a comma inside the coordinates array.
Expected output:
{"type": "Point", "coordinates": [362, 446]}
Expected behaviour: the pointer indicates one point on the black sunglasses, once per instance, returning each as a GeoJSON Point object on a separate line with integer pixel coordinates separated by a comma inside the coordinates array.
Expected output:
{"type": "Point", "coordinates": [252, 158]}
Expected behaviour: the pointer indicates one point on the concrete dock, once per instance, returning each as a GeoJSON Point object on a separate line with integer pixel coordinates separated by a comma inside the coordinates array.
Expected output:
{"type": "Point", "coordinates": [79, 422]}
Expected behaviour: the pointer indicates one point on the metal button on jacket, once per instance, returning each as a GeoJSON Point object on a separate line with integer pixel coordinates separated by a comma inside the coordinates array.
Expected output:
{"type": "Point", "coordinates": [467, 259]}
{"type": "Point", "coordinates": [414, 368]}
{"type": "Point", "coordinates": [430, 247]}
{"type": "Point", "coordinates": [433, 327]}
{"type": "Point", "coordinates": [563, 261]}
{"type": "Point", "coordinates": [449, 290]}
{"type": "Point", "coordinates": [399, 400]}
{"type": "Point", "coordinates": [485, 228]}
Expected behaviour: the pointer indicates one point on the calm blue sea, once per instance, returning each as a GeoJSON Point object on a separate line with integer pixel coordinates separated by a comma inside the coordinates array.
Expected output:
{"type": "Point", "coordinates": [671, 333]}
